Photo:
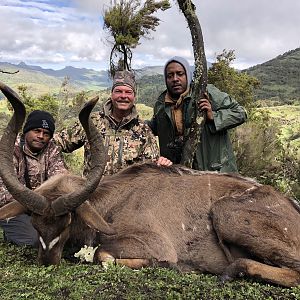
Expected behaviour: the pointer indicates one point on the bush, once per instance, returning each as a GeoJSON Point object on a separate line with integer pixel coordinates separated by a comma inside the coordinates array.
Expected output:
{"type": "Point", "coordinates": [260, 154]}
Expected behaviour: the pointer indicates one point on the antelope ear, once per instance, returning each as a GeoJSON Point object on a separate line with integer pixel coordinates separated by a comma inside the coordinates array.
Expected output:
{"type": "Point", "coordinates": [93, 219]}
{"type": "Point", "coordinates": [11, 210]}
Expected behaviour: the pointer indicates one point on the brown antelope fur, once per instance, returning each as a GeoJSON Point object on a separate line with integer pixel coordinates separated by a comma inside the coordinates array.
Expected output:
{"type": "Point", "coordinates": [148, 215]}
{"type": "Point", "coordinates": [192, 220]}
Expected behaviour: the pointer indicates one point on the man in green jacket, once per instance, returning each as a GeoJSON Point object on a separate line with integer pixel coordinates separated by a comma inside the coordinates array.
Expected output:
{"type": "Point", "coordinates": [172, 116]}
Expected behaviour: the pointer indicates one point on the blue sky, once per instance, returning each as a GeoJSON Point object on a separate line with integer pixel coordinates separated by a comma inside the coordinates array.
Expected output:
{"type": "Point", "coordinates": [70, 32]}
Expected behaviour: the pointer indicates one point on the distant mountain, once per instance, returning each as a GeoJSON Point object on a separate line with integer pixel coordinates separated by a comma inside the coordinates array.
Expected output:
{"type": "Point", "coordinates": [80, 78]}
{"type": "Point", "coordinates": [279, 77]}
{"type": "Point", "coordinates": [42, 81]}
{"type": "Point", "coordinates": [77, 74]}
{"type": "Point", "coordinates": [37, 82]}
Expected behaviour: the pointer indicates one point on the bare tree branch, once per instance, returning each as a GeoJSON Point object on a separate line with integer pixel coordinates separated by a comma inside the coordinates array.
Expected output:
{"type": "Point", "coordinates": [7, 72]}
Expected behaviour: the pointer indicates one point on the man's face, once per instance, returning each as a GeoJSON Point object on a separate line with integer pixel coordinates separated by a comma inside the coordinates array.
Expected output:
{"type": "Point", "coordinates": [122, 97]}
{"type": "Point", "coordinates": [176, 79]}
{"type": "Point", "coordinates": [36, 139]}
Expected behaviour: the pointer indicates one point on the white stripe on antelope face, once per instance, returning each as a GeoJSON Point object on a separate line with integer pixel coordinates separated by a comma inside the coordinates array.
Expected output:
{"type": "Point", "coordinates": [51, 244]}
{"type": "Point", "coordinates": [42, 243]}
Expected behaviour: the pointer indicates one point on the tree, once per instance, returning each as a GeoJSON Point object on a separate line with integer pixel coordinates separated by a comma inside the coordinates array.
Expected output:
{"type": "Point", "coordinates": [127, 21]}
{"type": "Point", "coordinates": [192, 137]}
{"type": "Point", "coordinates": [45, 102]}
{"type": "Point", "coordinates": [239, 85]}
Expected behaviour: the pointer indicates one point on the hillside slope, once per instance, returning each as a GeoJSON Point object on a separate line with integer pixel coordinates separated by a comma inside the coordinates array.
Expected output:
{"type": "Point", "coordinates": [41, 80]}
{"type": "Point", "coordinates": [37, 82]}
{"type": "Point", "coordinates": [279, 77]}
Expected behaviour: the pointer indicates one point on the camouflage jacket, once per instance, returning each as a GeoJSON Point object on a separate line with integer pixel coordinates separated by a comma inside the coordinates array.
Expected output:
{"type": "Point", "coordinates": [40, 166]}
{"type": "Point", "coordinates": [128, 142]}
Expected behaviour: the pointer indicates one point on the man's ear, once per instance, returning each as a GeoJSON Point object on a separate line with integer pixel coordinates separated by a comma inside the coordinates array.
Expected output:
{"type": "Point", "coordinates": [11, 210]}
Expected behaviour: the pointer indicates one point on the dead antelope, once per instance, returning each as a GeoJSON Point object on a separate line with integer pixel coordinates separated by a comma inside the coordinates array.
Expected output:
{"type": "Point", "coordinates": [147, 215]}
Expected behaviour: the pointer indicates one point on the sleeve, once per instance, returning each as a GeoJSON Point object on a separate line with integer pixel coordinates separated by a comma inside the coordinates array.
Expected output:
{"type": "Point", "coordinates": [56, 163]}
{"type": "Point", "coordinates": [70, 139]}
{"type": "Point", "coordinates": [227, 112]}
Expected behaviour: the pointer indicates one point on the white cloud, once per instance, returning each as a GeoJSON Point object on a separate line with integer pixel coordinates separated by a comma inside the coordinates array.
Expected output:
{"type": "Point", "coordinates": [58, 33]}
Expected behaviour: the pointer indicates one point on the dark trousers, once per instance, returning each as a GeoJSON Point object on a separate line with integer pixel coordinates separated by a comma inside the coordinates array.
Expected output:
{"type": "Point", "coordinates": [20, 231]}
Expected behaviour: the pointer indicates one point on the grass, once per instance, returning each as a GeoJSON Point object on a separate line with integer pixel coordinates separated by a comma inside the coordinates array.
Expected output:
{"type": "Point", "coordinates": [3, 106]}
{"type": "Point", "coordinates": [288, 117]}
{"type": "Point", "coordinates": [22, 278]}
{"type": "Point", "coordinates": [37, 82]}
{"type": "Point", "coordinates": [145, 112]}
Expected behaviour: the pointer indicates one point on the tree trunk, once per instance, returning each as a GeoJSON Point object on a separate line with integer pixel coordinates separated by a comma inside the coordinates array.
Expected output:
{"type": "Point", "coordinates": [192, 138]}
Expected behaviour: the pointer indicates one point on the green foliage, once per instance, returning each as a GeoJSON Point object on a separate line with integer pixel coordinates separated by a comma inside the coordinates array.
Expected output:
{"type": "Point", "coordinates": [261, 154]}
{"type": "Point", "coordinates": [64, 106]}
{"type": "Point", "coordinates": [74, 161]}
{"type": "Point", "coordinates": [45, 102]}
{"type": "Point", "coordinates": [69, 102]}
{"type": "Point", "coordinates": [150, 88]}
{"type": "Point", "coordinates": [4, 119]}
{"type": "Point", "coordinates": [22, 278]}
{"type": "Point", "coordinates": [38, 83]}
{"type": "Point", "coordinates": [239, 85]}
{"type": "Point", "coordinates": [279, 78]}
{"type": "Point", "coordinates": [288, 118]}
{"type": "Point", "coordinates": [128, 21]}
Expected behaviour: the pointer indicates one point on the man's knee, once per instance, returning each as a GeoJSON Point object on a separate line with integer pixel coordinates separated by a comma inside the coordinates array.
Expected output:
{"type": "Point", "coordinates": [20, 231]}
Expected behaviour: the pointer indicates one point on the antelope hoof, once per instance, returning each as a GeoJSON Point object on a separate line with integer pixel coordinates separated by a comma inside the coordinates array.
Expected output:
{"type": "Point", "coordinates": [104, 258]}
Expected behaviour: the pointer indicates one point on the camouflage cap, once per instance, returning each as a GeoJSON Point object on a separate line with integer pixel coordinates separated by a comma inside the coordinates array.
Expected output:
{"type": "Point", "coordinates": [124, 78]}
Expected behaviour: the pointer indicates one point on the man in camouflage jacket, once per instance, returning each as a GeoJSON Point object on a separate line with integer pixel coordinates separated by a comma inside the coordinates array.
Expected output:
{"type": "Point", "coordinates": [128, 139]}
{"type": "Point", "coordinates": [36, 158]}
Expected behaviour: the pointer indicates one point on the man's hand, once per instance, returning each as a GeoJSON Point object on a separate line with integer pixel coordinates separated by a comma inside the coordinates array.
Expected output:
{"type": "Point", "coordinates": [204, 105]}
{"type": "Point", "coordinates": [163, 161]}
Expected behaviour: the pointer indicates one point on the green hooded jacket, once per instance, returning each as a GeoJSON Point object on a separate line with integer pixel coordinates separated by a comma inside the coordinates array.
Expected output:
{"type": "Point", "coordinates": [214, 152]}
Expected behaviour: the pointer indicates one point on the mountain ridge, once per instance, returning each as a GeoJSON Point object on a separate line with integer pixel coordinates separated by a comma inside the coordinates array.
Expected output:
{"type": "Point", "coordinates": [279, 77]}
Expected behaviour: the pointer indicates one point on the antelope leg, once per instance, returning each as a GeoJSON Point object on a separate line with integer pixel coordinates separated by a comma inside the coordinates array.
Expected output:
{"type": "Point", "coordinates": [282, 276]}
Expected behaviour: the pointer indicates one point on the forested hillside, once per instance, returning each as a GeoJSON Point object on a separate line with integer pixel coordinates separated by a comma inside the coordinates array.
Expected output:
{"type": "Point", "coordinates": [149, 88]}
{"type": "Point", "coordinates": [279, 78]}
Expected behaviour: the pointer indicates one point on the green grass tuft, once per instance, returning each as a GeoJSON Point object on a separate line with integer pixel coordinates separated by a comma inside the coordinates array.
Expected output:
{"type": "Point", "coordinates": [22, 278]}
